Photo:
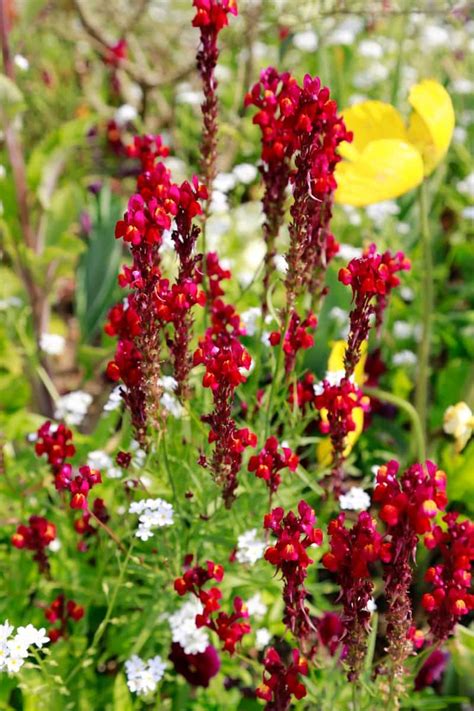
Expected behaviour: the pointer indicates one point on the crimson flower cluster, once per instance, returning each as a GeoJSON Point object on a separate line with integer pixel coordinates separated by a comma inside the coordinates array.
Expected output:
{"type": "Point", "coordinates": [274, 94]}
{"type": "Point", "coordinates": [211, 16]}
{"type": "Point", "coordinates": [230, 628]}
{"type": "Point", "coordinates": [36, 537]}
{"type": "Point", "coordinates": [408, 506]}
{"type": "Point", "coordinates": [56, 444]}
{"type": "Point", "coordinates": [297, 337]}
{"type": "Point", "coordinates": [294, 533]}
{"type": "Point", "coordinates": [83, 525]}
{"type": "Point", "coordinates": [450, 580]}
{"type": "Point", "coordinates": [371, 278]}
{"type": "Point", "coordinates": [337, 403]}
{"type": "Point", "coordinates": [157, 206]}
{"type": "Point", "coordinates": [282, 681]}
{"type": "Point", "coordinates": [269, 462]}
{"type": "Point", "coordinates": [352, 550]}
{"type": "Point", "coordinates": [62, 610]}
{"type": "Point", "coordinates": [225, 360]}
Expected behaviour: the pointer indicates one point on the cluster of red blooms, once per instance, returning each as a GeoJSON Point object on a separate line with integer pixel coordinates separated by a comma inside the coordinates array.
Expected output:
{"type": "Point", "coordinates": [282, 681]}
{"type": "Point", "coordinates": [62, 610]}
{"type": "Point", "coordinates": [56, 443]}
{"type": "Point", "coordinates": [272, 95]}
{"type": "Point", "coordinates": [230, 628]}
{"type": "Point", "coordinates": [449, 598]}
{"type": "Point", "coordinates": [211, 16]}
{"type": "Point", "coordinates": [154, 302]}
{"type": "Point", "coordinates": [294, 533]}
{"type": "Point", "coordinates": [269, 462]}
{"type": "Point", "coordinates": [371, 278]}
{"type": "Point", "coordinates": [297, 337]}
{"type": "Point", "coordinates": [338, 401]}
{"type": "Point", "coordinates": [225, 360]}
{"type": "Point", "coordinates": [318, 131]}
{"type": "Point", "coordinates": [352, 551]}
{"type": "Point", "coordinates": [303, 391]}
{"type": "Point", "coordinates": [36, 537]}
{"type": "Point", "coordinates": [83, 525]}
{"type": "Point", "coordinates": [408, 506]}
{"type": "Point", "coordinates": [302, 121]}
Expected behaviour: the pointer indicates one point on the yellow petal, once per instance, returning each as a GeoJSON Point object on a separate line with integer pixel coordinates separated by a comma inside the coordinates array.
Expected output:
{"type": "Point", "coordinates": [336, 360]}
{"type": "Point", "coordinates": [432, 122]}
{"type": "Point", "coordinates": [385, 169]}
{"type": "Point", "coordinates": [371, 121]}
{"type": "Point", "coordinates": [324, 448]}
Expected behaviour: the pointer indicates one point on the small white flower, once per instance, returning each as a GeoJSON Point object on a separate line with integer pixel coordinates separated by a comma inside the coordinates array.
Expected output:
{"type": "Point", "coordinates": [55, 545]}
{"type": "Point", "coordinates": [115, 399]}
{"type": "Point", "coordinates": [5, 631]}
{"type": "Point", "coordinates": [251, 319]}
{"type": "Point", "coordinates": [371, 606]}
{"type": "Point", "coordinates": [125, 114]}
{"type": "Point", "coordinates": [306, 41]}
{"type": "Point", "coordinates": [434, 36]}
{"type": "Point", "coordinates": [460, 134]}
{"type": "Point", "coordinates": [249, 547]}
{"type": "Point", "coordinates": [281, 265]}
{"type": "Point", "coordinates": [245, 173]}
{"type": "Point", "coordinates": [262, 638]}
{"type": "Point", "coordinates": [403, 330]}
{"type": "Point", "coordinates": [463, 86]}
{"type": "Point", "coordinates": [466, 186]}
{"type": "Point", "coordinates": [14, 664]}
{"type": "Point", "coordinates": [21, 62]}
{"type": "Point", "coordinates": [153, 513]}
{"type": "Point", "coordinates": [172, 405]}
{"type": "Point", "coordinates": [72, 408]}
{"type": "Point", "coordinates": [380, 211]}
{"type": "Point", "coordinates": [224, 182]}
{"type": "Point", "coordinates": [183, 627]}
{"type": "Point", "coordinates": [372, 75]}
{"type": "Point", "coordinates": [157, 668]}
{"type": "Point", "coordinates": [348, 252]}
{"type": "Point", "coordinates": [370, 49]}
{"type": "Point", "coordinates": [256, 607]}
{"type": "Point", "coordinates": [407, 293]}
{"type": "Point", "coordinates": [356, 499]}
{"type": "Point", "coordinates": [143, 677]}
{"type": "Point", "coordinates": [403, 228]}
{"type": "Point", "coordinates": [334, 377]}
{"type": "Point", "coordinates": [468, 213]}
{"type": "Point", "coordinates": [405, 357]}
{"type": "Point", "coordinates": [168, 383]}
{"type": "Point", "coordinates": [352, 214]}
{"type": "Point", "coordinates": [219, 202]}
{"type": "Point", "coordinates": [52, 343]}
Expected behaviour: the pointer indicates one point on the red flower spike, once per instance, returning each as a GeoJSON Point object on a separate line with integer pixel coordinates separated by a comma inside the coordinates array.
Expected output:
{"type": "Point", "coordinates": [294, 533]}
{"type": "Point", "coordinates": [353, 550]}
{"type": "Point", "coordinates": [36, 537]}
{"type": "Point", "coordinates": [61, 611]}
{"type": "Point", "coordinates": [450, 580]}
{"type": "Point", "coordinates": [408, 505]}
{"type": "Point", "coordinates": [371, 278]}
{"type": "Point", "coordinates": [281, 681]}
{"type": "Point", "coordinates": [270, 461]}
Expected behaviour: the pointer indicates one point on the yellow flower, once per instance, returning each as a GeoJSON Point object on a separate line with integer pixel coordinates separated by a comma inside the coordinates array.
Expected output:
{"type": "Point", "coordinates": [459, 422]}
{"type": "Point", "coordinates": [388, 158]}
{"type": "Point", "coordinates": [336, 364]}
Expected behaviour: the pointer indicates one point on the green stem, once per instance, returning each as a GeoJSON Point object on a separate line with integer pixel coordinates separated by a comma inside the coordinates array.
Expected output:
{"type": "Point", "coordinates": [276, 373]}
{"type": "Point", "coordinates": [409, 410]}
{"type": "Point", "coordinates": [421, 393]}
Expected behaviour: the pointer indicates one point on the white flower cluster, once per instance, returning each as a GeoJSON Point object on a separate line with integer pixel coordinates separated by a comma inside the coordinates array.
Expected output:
{"type": "Point", "coordinates": [182, 623]}
{"type": "Point", "coordinates": [72, 408]}
{"type": "Point", "coordinates": [143, 677]}
{"type": "Point", "coordinates": [101, 460]}
{"type": "Point", "coordinates": [52, 343]}
{"type": "Point", "coordinates": [356, 499]}
{"type": "Point", "coordinates": [168, 400]}
{"type": "Point", "coordinates": [115, 399]}
{"type": "Point", "coordinates": [14, 649]}
{"type": "Point", "coordinates": [256, 607]}
{"type": "Point", "coordinates": [251, 320]}
{"type": "Point", "coordinates": [152, 513]}
{"type": "Point", "coordinates": [249, 547]}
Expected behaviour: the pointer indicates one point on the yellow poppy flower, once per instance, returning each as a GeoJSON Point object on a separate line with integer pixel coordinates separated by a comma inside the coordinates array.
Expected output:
{"type": "Point", "coordinates": [336, 363]}
{"type": "Point", "coordinates": [388, 158]}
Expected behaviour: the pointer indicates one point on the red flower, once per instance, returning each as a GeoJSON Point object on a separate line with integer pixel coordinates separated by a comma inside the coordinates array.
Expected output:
{"type": "Point", "coordinates": [294, 533]}
{"type": "Point", "coordinates": [269, 462]}
{"type": "Point", "coordinates": [281, 682]}
{"type": "Point", "coordinates": [62, 610]}
{"type": "Point", "coordinates": [198, 669]}
{"type": "Point", "coordinates": [36, 537]}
